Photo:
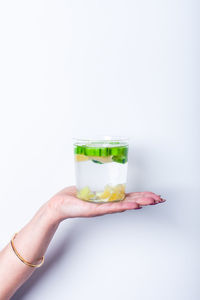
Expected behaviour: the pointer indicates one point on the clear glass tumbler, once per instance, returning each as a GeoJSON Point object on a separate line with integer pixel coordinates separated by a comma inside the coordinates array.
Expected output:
{"type": "Point", "coordinates": [101, 168]}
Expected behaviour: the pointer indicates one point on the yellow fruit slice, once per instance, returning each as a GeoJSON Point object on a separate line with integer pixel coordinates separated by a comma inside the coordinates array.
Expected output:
{"type": "Point", "coordinates": [110, 193]}
{"type": "Point", "coordinates": [120, 188]}
{"type": "Point", "coordinates": [113, 193]}
{"type": "Point", "coordinates": [85, 194]}
{"type": "Point", "coordinates": [106, 194]}
{"type": "Point", "coordinates": [81, 157]}
{"type": "Point", "coordinates": [114, 197]}
{"type": "Point", "coordinates": [102, 159]}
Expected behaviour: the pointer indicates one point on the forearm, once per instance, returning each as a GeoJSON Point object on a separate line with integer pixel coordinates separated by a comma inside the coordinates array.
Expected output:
{"type": "Point", "coordinates": [31, 242]}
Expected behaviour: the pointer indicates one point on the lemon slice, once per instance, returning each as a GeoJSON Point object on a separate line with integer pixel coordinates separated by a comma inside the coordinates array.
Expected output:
{"type": "Point", "coordinates": [101, 159]}
{"type": "Point", "coordinates": [106, 193]}
{"type": "Point", "coordinates": [81, 157]}
{"type": "Point", "coordinates": [85, 194]}
{"type": "Point", "coordinates": [113, 193]}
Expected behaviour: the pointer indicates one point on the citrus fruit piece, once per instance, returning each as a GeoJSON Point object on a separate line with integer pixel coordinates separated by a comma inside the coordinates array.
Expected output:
{"type": "Point", "coordinates": [111, 193]}
{"type": "Point", "coordinates": [85, 194]}
{"type": "Point", "coordinates": [79, 149]}
{"type": "Point", "coordinates": [101, 159]}
{"type": "Point", "coordinates": [81, 157]}
{"type": "Point", "coordinates": [106, 193]}
{"type": "Point", "coordinates": [96, 151]}
{"type": "Point", "coordinates": [122, 150]}
{"type": "Point", "coordinates": [92, 151]}
{"type": "Point", "coordinates": [119, 153]}
{"type": "Point", "coordinates": [120, 188]}
{"type": "Point", "coordinates": [114, 197]}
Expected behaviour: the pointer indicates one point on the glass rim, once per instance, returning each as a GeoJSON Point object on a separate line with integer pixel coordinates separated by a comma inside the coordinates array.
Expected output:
{"type": "Point", "coordinates": [101, 139]}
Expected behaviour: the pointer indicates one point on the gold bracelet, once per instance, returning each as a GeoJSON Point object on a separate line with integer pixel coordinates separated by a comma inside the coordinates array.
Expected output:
{"type": "Point", "coordinates": [22, 259]}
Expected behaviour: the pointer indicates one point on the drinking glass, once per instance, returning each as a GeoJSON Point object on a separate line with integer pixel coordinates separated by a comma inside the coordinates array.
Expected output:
{"type": "Point", "coordinates": [101, 168]}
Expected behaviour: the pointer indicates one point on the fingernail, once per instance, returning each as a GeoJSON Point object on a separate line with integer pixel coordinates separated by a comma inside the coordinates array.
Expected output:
{"type": "Point", "coordinates": [163, 200]}
{"type": "Point", "coordinates": [154, 203]}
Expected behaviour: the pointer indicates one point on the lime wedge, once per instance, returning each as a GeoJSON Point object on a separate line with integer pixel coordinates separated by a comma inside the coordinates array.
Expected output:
{"type": "Point", "coordinates": [119, 153]}
{"type": "Point", "coordinates": [79, 149]}
{"type": "Point", "coordinates": [104, 151]}
{"type": "Point", "coordinates": [92, 151]}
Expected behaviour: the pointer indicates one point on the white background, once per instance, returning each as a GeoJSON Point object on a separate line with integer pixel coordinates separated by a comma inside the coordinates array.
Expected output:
{"type": "Point", "coordinates": [74, 68]}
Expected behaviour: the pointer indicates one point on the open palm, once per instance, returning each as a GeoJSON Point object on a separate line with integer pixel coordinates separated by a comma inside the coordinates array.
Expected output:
{"type": "Point", "coordinates": [67, 205]}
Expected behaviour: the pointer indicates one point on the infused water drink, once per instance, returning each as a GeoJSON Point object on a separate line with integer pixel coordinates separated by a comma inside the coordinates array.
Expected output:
{"type": "Point", "coordinates": [101, 169]}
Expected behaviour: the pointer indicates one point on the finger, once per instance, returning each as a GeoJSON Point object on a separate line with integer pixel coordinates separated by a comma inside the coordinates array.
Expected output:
{"type": "Point", "coordinates": [141, 200]}
{"type": "Point", "coordinates": [145, 194]}
{"type": "Point", "coordinates": [108, 208]}
{"type": "Point", "coordinates": [145, 201]}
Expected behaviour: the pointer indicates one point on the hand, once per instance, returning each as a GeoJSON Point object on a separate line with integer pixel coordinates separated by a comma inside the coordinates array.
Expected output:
{"type": "Point", "coordinates": [40, 230]}
{"type": "Point", "coordinates": [65, 204]}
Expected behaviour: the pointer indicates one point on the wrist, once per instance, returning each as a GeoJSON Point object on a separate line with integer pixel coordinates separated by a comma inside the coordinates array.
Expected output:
{"type": "Point", "coordinates": [50, 214]}
{"type": "Point", "coordinates": [54, 210]}
{"type": "Point", "coordinates": [37, 234]}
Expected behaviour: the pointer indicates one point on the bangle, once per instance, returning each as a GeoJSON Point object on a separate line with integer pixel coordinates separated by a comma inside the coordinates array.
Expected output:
{"type": "Point", "coordinates": [22, 259]}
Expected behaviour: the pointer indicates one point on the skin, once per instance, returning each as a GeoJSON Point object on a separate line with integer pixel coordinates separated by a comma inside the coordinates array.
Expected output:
{"type": "Point", "coordinates": [33, 239]}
